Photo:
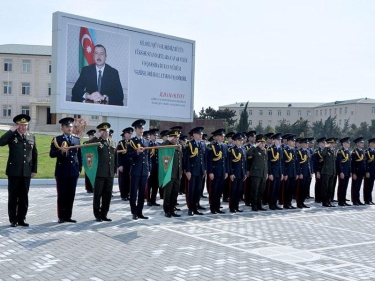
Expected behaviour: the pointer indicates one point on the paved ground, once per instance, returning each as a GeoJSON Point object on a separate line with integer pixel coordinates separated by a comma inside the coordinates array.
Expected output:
{"type": "Point", "coordinates": [312, 244]}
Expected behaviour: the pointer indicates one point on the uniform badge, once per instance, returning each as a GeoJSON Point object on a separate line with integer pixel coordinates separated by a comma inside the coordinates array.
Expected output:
{"type": "Point", "coordinates": [166, 160]}
{"type": "Point", "coordinates": [89, 157]}
{"type": "Point", "coordinates": [15, 140]}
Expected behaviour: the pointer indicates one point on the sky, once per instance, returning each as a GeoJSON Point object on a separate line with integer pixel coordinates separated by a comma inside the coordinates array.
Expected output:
{"type": "Point", "coordinates": [246, 50]}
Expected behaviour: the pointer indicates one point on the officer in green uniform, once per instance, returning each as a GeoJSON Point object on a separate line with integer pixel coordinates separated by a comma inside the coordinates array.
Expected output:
{"type": "Point", "coordinates": [328, 171]}
{"type": "Point", "coordinates": [21, 167]}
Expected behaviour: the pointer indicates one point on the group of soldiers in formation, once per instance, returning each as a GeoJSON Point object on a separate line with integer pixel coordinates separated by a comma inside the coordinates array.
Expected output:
{"type": "Point", "coordinates": [270, 169]}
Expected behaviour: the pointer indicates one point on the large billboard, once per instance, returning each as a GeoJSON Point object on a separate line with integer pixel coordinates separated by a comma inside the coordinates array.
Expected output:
{"type": "Point", "coordinates": [102, 68]}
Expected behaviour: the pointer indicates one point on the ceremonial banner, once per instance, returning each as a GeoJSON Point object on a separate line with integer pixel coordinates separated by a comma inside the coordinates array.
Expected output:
{"type": "Point", "coordinates": [90, 161]}
{"type": "Point", "coordinates": [165, 159]}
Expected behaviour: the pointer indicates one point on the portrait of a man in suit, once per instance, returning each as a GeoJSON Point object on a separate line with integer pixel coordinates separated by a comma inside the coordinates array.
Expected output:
{"type": "Point", "coordinates": [99, 82]}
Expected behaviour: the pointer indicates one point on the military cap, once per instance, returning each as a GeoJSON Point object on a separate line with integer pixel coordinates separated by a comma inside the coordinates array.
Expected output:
{"type": "Point", "coordinates": [197, 130]}
{"type": "Point", "coordinates": [154, 132]}
{"type": "Point", "coordinates": [104, 126]}
{"type": "Point", "coordinates": [268, 135]}
{"type": "Point", "coordinates": [310, 139]}
{"type": "Point", "coordinates": [164, 133]}
{"type": "Point", "coordinates": [298, 140]}
{"type": "Point", "coordinates": [346, 139]}
{"type": "Point", "coordinates": [371, 140]}
{"type": "Point", "coordinates": [237, 136]}
{"type": "Point", "coordinates": [91, 132]}
{"type": "Point", "coordinates": [304, 140]}
{"type": "Point", "coordinates": [128, 130]}
{"type": "Point", "coordinates": [229, 135]}
{"type": "Point", "coordinates": [66, 121]}
{"type": "Point", "coordinates": [190, 133]}
{"type": "Point", "coordinates": [174, 133]}
{"type": "Point", "coordinates": [111, 132]}
{"type": "Point", "coordinates": [22, 119]}
{"type": "Point", "coordinates": [322, 139]}
{"type": "Point", "coordinates": [204, 137]}
{"type": "Point", "coordinates": [176, 128]}
{"type": "Point", "coordinates": [360, 139]}
{"type": "Point", "coordinates": [331, 140]}
{"type": "Point", "coordinates": [219, 132]}
{"type": "Point", "coordinates": [145, 133]}
{"type": "Point", "coordinates": [291, 137]}
{"type": "Point", "coordinates": [276, 136]}
{"type": "Point", "coordinates": [138, 123]}
{"type": "Point", "coordinates": [260, 138]}
{"type": "Point", "coordinates": [211, 139]}
{"type": "Point", "coordinates": [285, 136]}
{"type": "Point", "coordinates": [251, 133]}
{"type": "Point", "coordinates": [183, 137]}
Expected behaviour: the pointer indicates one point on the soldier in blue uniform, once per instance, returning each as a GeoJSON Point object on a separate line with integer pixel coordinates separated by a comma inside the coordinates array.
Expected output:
{"type": "Point", "coordinates": [88, 185]}
{"type": "Point", "coordinates": [305, 173]}
{"type": "Point", "coordinates": [247, 187]}
{"type": "Point", "coordinates": [67, 169]}
{"type": "Point", "coordinates": [275, 171]}
{"type": "Point", "coordinates": [343, 170]}
{"type": "Point", "coordinates": [21, 167]}
{"type": "Point", "coordinates": [124, 163]}
{"type": "Point", "coordinates": [368, 183]}
{"type": "Point", "coordinates": [195, 169]}
{"type": "Point", "coordinates": [317, 167]}
{"type": "Point", "coordinates": [227, 181]}
{"type": "Point", "coordinates": [291, 169]}
{"type": "Point", "coordinates": [140, 170]}
{"type": "Point", "coordinates": [358, 164]}
{"type": "Point", "coordinates": [217, 169]}
{"type": "Point", "coordinates": [237, 171]}
{"type": "Point", "coordinates": [310, 149]}
{"type": "Point", "coordinates": [153, 179]}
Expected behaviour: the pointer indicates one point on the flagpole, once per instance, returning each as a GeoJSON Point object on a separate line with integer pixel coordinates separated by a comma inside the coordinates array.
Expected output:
{"type": "Point", "coordinates": [152, 147]}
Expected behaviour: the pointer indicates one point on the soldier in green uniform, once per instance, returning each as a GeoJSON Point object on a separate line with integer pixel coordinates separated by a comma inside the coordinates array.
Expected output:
{"type": "Point", "coordinates": [21, 167]}
{"type": "Point", "coordinates": [328, 171]}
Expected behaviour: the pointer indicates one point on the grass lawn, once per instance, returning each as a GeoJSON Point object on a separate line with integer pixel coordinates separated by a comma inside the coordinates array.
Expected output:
{"type": "Point", "coordinates": [46, 165]}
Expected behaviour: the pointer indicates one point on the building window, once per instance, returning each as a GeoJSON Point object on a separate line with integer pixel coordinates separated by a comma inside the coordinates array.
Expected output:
{"type": "Point", "coordinates": [260, 122]}
{"type": "Point", "coordinates": [250, 122]}
{"type": "Point", "coordinates": [288, 112]}
{"type": "Point", "coordinates": [308, 113]}
{"type": "Point", "coordinates": [94, 117]}
{"type": "Point", "coordinates": [335, 111]}
{"type": "Point", "coordinates": [25, 110]}
{"type": "Point", "coordinates": [260, 111]}
{"type": "Point", "coordinates": [7, 65]}
{"type": "Point", "coordinates": [77, 116]}
{"type": "Point", "coordinates": [26, 66]}
{"type": "Point", "coordinates": [373, 110]}
{"type": "Point", "coordinates": [269, 112]}
{"type": "Point", "coordinates": [7, 110]}
{"type": "Point", "coordinates": [340, 122]}
{"type": "Point", "coordinates": [49, 89]}
{"type": "Point", "coordinates": [321, 112]}
{"type": "Point", "coordinates": [7, 88]}
{"type": "Point", "coordinates": [49, 67]}
{"type": "Point", "coordinates": [330, 112]}
{"type": "Point", "coordinates": [25, 88]}
{"type": "Point", "coordinates": [352, 112]}
{"type": "Point", "coordinates": [279, 113]}
{"type": "Point", "coordinates": [325, 111]}
{"type": "Point", "coordinates": [299, 112]}
{"type": "Point", "coordinates": [316, 112]}
{"type": "Point", "coordinates": [346, 110]}
{"type": "Point", "coordinates": [250, 112]}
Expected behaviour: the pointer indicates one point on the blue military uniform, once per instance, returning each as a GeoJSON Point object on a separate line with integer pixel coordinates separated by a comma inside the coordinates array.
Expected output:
{"type": "Point", "coordinates": [358, 163]}
{"type": "Point", "coordinates": [153, 180]}
{"type": "Point", "coordinates": [343, 168]}
{"type": "Point", "coordinates": [291, 169]}
{"type": "Point", "coordinates": [368, 184]}
{"type": "Point", "coordinates": [317, 167]}
{"type": "Point", "coordinates": [306, 171]}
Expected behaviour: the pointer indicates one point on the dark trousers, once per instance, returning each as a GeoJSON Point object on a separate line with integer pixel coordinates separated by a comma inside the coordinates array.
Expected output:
{"type": "Point", "coordinates": [308, 190]}
{"type": "Point", "coordinates": [125, 183]}
{"type": "Point", "coordinates": [203, 184]}
{"type": "Point", "coordinates": [227, 184]}
{"type": "Point", "coordinates": [216, 189]}
{"type": "Point", "coordinates": [356, 187]}
{"type": "Point", "coordinates": [247, 191]}
{"type": "Point", "coordinates": [368, 186]}
{"type": "Point", "coordinates": [88, 185]}
{"type": "Point", "coordinates": [341, 190]}
{"type": "Point", "coordinates": [18, 198]}
{"type": "Point", "coordinates": [184, 184]}
{"type": "Point", "coordinates": [318, 189]}
{"type": "Point", "coordinates": [274, 191]}
{"type": "Point", "coordinates": [137, 194]}
{"type": "Point", "coordinates": [194, 191]}
{"type": "Point", "coordinates": [289, 189]}
{"type": "Point", "coordinates": [327, 186]}
{"type": "Point", "coordinates": [102, 196]}
{"type": "Point", "coordinates": [266, 193]}
{"type": "Point", "coordinates": [170, 195]}
{"type": "Point", "coordinates": [303, 188]}
{"type": "Point", "coordinates": [258, 186]}
{"type": "Point", "coordinates": [332, 194]}
{"type": "Point", "coordinates": [152, 186]}
{"type": "Point", "coordinates": [66, 191]}
{"type": "Point", "coordinates": [235, 193]}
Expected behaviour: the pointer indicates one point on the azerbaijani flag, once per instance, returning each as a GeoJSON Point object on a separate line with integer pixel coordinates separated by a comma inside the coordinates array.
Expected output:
{"type": "Point", "coordinates": [86, 47]}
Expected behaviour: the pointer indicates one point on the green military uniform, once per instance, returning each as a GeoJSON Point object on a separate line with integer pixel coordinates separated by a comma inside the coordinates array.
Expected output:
{"type": "Point", "coordinates": [328, 173]}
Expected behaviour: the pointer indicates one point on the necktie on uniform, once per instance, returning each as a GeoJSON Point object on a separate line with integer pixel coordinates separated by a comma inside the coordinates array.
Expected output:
{"type": "Point", "coordinates": [23, 137]}
{"type": "Point", "coordinates": [99, 81]}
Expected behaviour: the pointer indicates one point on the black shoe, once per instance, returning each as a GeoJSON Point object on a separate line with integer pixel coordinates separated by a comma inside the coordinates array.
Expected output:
{"type": "Point", "coordinates": [254, 209]}
{"type": "Point", "coordinates": [177, 209]}
{"type": "Point", "coordinates": [331, 205]}
{"type": "Point", "coordinates": [278, 208]}
{"type": "Point", "coordinates": [106, 219]}
{"type": "Point", "coordinates": [341, 204]}
{"type": "Point", "coordinates": [176, 203]}
{"type": "Point", "coordinates": [199, 207]}
{"type": "Point", "coordinates": [262, 209]}
{"type": "Point", "coordinates": [202, 196]}
{"type": "Point", "coordinates": [272, 208]}
{"type": "Point", "coordinates": [60, 221]}
{"type": "Point", "coordinates": [347, 200]}
{"type": "Point", "coordinates": [197, 213]}
{"type": "Point", "coordinates": [149, 204]}
{"type": "Point", "coordinates": [248, 204]}
{"type": "Point", "coordinates": [134, 217]}
{"type": "Point", "coordinates": [292, 207]}
{"type": "Point", "coordinates": [191, 213]}
{"type": "Point", "coordinates": [360, 203]}
{"type": "Point", "coordinates": [287, 207]}
{"type": "Point", "coordinates": [299, 206]}
{"type": "Point", "coordinates": [318, 201]}
{"type": "Point", "coordinates": [355, 204]}
{"type": "Point", "coordinates": [13, 224]}
{"type": "Point", "coordinates": [232, 210]}
{"type": "Point", "coordinates": [23, 223]}
{"type": "Point", "coordinates": [155, 204]}
{"type": "Point", "coordinates": [239, 211]}
{"type": "Point", "coordinates": [98, 219]}
{"type": "Point", "coordinates": [141, 216]}
{"type": "Point", "coordinates": [175, 215]}
{"type": "Point", "coordinates": [305, 206]}
{"type": "Point", "coordinates": [70, 220]}
{"type": "Point", "coordinates": [325, 205]}
{"type": "Point", "coordinates": [346, 204]}
{"type": "Point", "coordinates": [333, 200]}
{"type": "Point", "coordinates": [213, 212]}
{"type": "Point", "coordinates": [167, 215]}
{"type": "Point", "coordinates": [124, 199]}
{"type": "Point", "coordinates": [221, 207]}
{"type": "Point", "coordinates": [220, 212]}
{"type": "Point", "coordinates": [89, 191]}
{"type": "Point", "coordinates": [371, 203]}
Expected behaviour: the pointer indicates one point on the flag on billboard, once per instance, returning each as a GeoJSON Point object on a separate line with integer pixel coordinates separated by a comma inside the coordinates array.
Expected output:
{"type": "Point", "coordinates": [86, 47]}
{"type": "Point", "coordinates": [90, 161]}
{"type": "Point", "coordinates": [165, 159]}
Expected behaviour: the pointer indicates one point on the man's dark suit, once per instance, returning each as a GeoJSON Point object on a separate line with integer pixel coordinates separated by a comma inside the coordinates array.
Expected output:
{"type": "Point", "coordinates": [88, 83]}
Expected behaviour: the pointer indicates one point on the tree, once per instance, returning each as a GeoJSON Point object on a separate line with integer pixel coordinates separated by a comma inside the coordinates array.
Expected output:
{"type": "Point", "coordinates": [284, 127]}
{"type": "Point", "coordinates": [259, 128]}
{"type": "Point", "coordinates": [243, 124]}
{"type": "Point", "coordinates": [301, 128]}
